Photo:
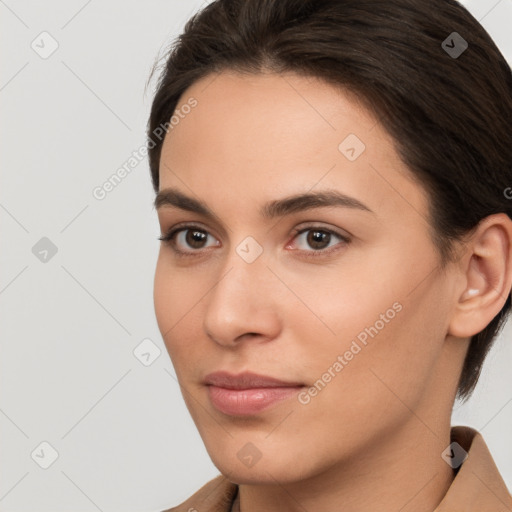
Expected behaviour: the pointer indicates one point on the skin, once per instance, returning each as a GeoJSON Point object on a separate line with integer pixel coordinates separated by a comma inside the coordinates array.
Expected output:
{"type": "Point", "coordinates": [372, 438]}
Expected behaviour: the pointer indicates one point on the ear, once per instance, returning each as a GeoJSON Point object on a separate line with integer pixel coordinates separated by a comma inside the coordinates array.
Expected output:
{"type": "Point", "coordinates": [487, 273]}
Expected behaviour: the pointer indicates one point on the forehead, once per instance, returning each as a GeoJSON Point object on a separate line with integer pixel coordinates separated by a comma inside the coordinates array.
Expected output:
{"type": "Point", "coordinates": [261, 136]}
{"type": "Point", "coordinates": [249, 112]}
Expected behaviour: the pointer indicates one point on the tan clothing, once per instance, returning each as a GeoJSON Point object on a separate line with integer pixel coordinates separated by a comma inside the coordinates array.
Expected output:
{"type": "Point", "coordinates": [477, 486]}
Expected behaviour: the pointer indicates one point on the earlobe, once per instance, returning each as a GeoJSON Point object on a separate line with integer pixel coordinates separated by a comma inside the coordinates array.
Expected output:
{"type": "Point", "coordinates": [488, 276]}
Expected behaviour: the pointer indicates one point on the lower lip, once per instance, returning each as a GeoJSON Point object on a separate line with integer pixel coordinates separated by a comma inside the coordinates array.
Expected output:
{"type": "Point", "coordinates": [242, 402]}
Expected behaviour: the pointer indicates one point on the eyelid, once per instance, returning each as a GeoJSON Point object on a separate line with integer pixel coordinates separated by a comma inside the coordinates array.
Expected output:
{"type": "Point", "coordinates": [343, 234]}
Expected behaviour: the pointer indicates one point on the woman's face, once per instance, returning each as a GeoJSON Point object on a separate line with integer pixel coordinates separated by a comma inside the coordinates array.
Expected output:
{"type": "Point", "coordinates": [344, 302]}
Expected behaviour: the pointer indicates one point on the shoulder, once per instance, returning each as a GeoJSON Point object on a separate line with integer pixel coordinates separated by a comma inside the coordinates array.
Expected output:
{"type": "Point", "coordinates": [217, 495]}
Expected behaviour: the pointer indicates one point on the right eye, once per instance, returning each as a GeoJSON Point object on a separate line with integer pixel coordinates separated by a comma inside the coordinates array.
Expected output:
{"type": "Point", "coordinates": [187, 236]}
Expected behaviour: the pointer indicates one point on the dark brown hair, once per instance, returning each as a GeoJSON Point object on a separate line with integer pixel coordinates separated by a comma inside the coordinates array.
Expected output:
{"type": "Point", "coordinates": [450, 115]}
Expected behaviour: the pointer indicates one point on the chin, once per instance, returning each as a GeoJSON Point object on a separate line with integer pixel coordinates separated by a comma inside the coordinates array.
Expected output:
{"type": "Point", "coordinates": [276, 468]}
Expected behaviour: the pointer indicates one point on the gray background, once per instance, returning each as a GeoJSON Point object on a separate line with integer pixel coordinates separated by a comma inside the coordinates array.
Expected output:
{"type": "Point", "coordinates": [70, 324]}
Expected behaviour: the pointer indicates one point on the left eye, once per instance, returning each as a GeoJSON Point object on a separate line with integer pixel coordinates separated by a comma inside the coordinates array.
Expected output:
{"type": "Point", "coordinates": [318, 239]}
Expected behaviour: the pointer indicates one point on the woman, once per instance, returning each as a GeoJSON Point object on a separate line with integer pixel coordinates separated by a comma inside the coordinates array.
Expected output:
{"type": "Point", "coordinates": [336, 249]}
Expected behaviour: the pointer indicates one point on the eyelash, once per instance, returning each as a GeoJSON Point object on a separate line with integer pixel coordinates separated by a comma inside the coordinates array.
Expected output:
{"type": "Point", "coordinates": [169, 239]}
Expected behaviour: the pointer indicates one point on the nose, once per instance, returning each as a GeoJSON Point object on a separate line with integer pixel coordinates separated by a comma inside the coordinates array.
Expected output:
{"type": "Point", "coordinates": [242, 305]}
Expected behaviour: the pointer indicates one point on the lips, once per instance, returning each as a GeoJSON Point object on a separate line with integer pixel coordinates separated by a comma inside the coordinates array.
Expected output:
{"type": "Point", "coordinates": [246, 380]}
{"type": "Point", "coordinates": [247, 393]}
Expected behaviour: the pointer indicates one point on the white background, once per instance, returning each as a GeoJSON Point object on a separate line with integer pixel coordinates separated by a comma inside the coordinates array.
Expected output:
{"type": "Point", "coordinates": [68, 375]}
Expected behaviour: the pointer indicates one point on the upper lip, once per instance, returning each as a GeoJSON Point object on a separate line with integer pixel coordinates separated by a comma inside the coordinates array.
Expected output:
{"type": "Point", "coordinates": [246, 380]}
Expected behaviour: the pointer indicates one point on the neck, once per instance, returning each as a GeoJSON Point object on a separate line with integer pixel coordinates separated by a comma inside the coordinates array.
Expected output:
{"type": "Point", "coordinates": [406, 473]}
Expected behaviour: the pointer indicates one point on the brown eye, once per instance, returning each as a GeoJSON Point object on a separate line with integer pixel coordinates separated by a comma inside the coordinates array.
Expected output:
{"type": "Point", "coordinates": [188, 240]}
{"type": "Point", "coordinates": [195, 238]}
{"type": "Point", "coordinates": [318, 239]}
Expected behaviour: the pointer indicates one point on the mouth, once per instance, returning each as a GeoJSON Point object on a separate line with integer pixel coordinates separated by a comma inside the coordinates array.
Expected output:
{"type": "Point", "coordinates": [247, 393]}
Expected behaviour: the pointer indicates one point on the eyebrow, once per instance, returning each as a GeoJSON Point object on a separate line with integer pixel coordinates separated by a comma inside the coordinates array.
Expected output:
{"type": "Point", "coordinates": [270, 210]}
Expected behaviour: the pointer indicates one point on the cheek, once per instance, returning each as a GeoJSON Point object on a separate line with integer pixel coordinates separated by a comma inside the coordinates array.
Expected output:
{"type": "Point", "coordinates": [174, 297]}
{"type": "Point", "coordinates": [163, 296]}
{"type": "Point", "coordinates": [179, 296]}
{"type": "Point", "coordinates": [364, 382]}
{"type": "Point", "coordinates": [176, 290]}
{"type": "Point", "coordinates": [360, 298]}
{"type": "Point", "coordinates": [371, 322]}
